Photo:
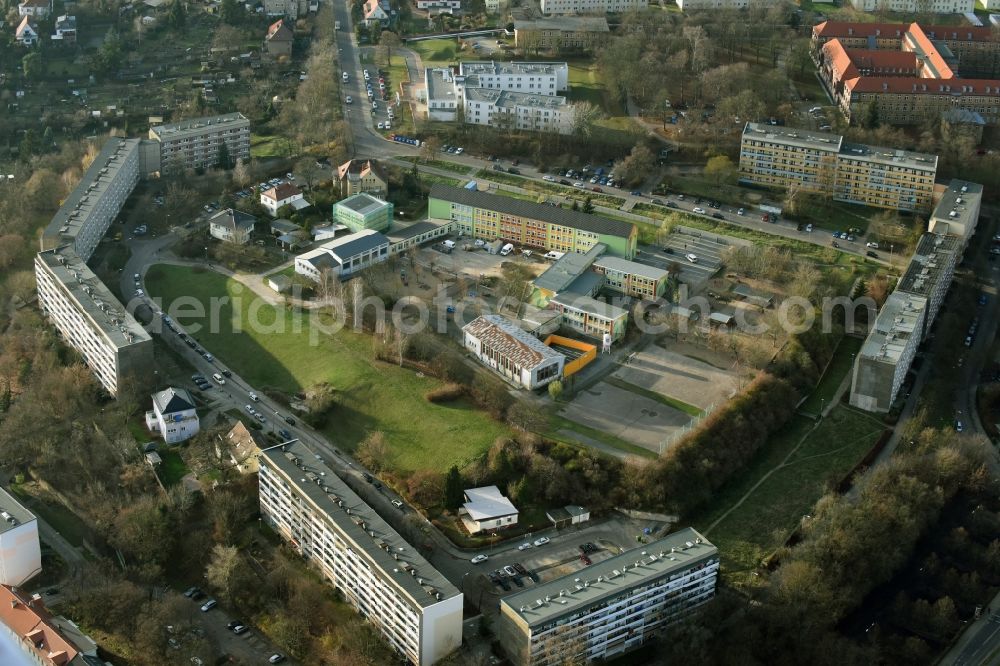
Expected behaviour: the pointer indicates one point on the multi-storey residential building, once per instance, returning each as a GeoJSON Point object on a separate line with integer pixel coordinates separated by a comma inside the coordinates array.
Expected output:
{"type": "Point", "coordinates": [908, 72]}
{"type": "Point", "coordinates": [504, 109]}
{"type": "Point", "coordinates": [911, 6]}
{"type": "Point", "coordinates": [363, 211]}
{"type": "Point", "coordinates": [698, 5]}
{"type": "Point", "coordinates": [540, 78]}
{"type": "Point", "coordinates": [91, 320]}
{"type": "Point", "coordinates": [20, 549]}
{"type": "Point", "coordinates": [571, 33]}
{"type": "Point", "coordinates": [112, 343]}
{"type": "Point", "coordinates": [632, 278]}
{"type": "Point", "coordinates": [957, 212]}
{"type": "Point", "coordinates": [511, 352]}
{"type": "Point", "coordinates": [357, 176]}
{"type": "Point", "coordinates": [822, 163]}
{"type": "Point", "coordinates": [386, 579]}
{"type": "Point", "coordinates": [612, 606]}
{"type": "Point", "coordinates": [881, 366]}
{"type": "Point", "coordinates": [344, 256]}
{"type": "Point", "coordinates": [588, 316]}
{"type": "Point", "coordinates": [492, 216]}
{"type": "Point", "coordinates": [173, 416]}
{"type": "Point", "coordinates": [95, 202]}
{"type": "Point", "coordinates": [441, 6]}
{"type": "Point", "coordinates": [196, 143]}
{"type": "Point", "coordinates": [591, 6]}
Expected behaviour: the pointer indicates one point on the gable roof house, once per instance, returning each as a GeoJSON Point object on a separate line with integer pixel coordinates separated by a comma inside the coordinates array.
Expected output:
{"type": "Point", "coordinates": [173, 415]}
{"type": "Point", "coordinates": [486, 508]}
{"type": "Point", "coordinates": [232, 226]}
{"type": "Point", "coordinates": [243, 448]}
{"type": "Point", "coordinates": [35, 8]}
{"type": "Point", "coordinates": [27, 33]}
{"type": "Point", "coordinates": [279, 39]}
{"type": "Point", "coordinates": [284, 194]}
{"type": "Point", "coordinates": [375, 13]}
{"type": "Point", "coordinates": [356, 176]}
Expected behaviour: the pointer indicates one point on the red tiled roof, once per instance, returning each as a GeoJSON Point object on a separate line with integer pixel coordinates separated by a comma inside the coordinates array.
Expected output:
{"type": "Point", "coordinates": [28, 618]}
{"type": "Point", "coordinates": [916, 34]}
{"type": "Point", "coordinates": [902, 84]}
{"type": "Point", "coordinates": [278, 31]}
{"type": "Point", "coordinates": [834, 29]}
{"type": "Point", "coordinates": [878, 60]}
{"type": "Point", "coordinates": [839, 60]}
{"type": "Point", "coordinates": [283, 191]}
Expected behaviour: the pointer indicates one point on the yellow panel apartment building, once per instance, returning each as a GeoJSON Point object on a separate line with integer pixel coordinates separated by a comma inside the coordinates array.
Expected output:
{"type": "Point", "coordinates": [824, 163]}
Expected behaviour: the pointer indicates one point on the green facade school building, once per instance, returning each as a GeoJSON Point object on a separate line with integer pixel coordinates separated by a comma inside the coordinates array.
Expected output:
{"type": "Point", "coordinates": [491, 216]}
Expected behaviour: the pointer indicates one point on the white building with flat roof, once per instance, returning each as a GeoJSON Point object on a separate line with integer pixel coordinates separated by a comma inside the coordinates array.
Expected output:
{"type": "Point", "coordinates": [612, 606]}
{"type": "Point", "coordinates": [505, 109]}
{"type": "Point", "coordinates": [957, 212]}
{"type": "Point", "coordinates": [540, 78]}
{"type": "Point", "coordinates": [344, 256]}
{"type": "Point", "coordinates": [511, 352]}
{"type": "Point", "coordinates": [485, 509]}
{"type": "Point", "coordinates": [20, 549]}
{"type": "Point", "coordinates": [413, 606]}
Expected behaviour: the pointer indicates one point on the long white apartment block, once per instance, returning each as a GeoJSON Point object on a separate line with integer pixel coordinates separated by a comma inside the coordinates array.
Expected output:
{"type": "Point", "coordinates": [591, 6]}
{"type": "Point", "coordinates": [20, 549]}
{"type": "Point", "coordinates": [195, 143]}
{"type": "Point", "coordinates": [540, 78]}
{"type": "Point", "coordinates": [413, 606]}
{"type": "Point", "coordinates": [90, 319]}
{"type": "Point", "coordinates": [87, 315]}
{"type": "Point", "coordinates": [612, 606]}
{"type": "Point", "coordinates": [918, 6]}
{"type": "Point", "coordinates": [95, 202]}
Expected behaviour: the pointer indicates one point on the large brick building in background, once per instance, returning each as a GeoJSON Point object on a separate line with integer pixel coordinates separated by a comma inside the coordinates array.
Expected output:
{"type": "Point", "coordinates": [910, 72]}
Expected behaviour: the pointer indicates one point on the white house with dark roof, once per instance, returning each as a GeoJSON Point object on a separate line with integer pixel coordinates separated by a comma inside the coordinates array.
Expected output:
{"type": "Point", "coordinates": [26, 33]}
{"type": "Point", "coordinates": [344, 256]}
{"type": "Point", "coordinates": [65, 29]}
{"type": "Point", "coordinates": [486, 509]}
{"type": "Point", "coordinates": [173, 415]}
{"type": "Point", "coordinates": [511, 352]}
{"type": "Point", "coordinates": [232, 226]}
{"type": "Point", "coordinates": [284, 194]}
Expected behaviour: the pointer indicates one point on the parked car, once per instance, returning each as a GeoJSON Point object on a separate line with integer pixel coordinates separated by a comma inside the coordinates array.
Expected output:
{"type": "Point", "coordinates": [397, 503]}
{"type": "Point", "coordinates": [209, 605]}
{"type": "Point", "coordinates": [872, 254]}
{"type": "Point", "coordinates": [276, 658]}
{"type": "Point", "coordinates": [541, 541]}
{"type": "Point", "coordinates": [524, 546]}
{"type": "Point", "coordinates": [253, 396]}
{"type": "Point", "coordinates": [240, 629]}
{"type": "Point", "coordinates": [693, 258]}
{"type": "Point", "coordinates": [478, 559]}
{"type": "Point", "coordinates": [191, 591]}
{"type": "Point", "coordinates": [698, 209]}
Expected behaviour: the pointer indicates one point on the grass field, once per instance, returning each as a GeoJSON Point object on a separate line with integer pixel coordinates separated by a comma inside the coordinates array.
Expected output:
{"type": "Point", "coordinates": [262, 147]}
{"type": "Point", "coordinates": [289, 352]}
{"type": "Point", "coordinates": [435, 52]}
{"type": "Point", "coordinates": [839, 366]}
{"type": "Point", "coordinates": [460, 169]}
{"type": "Point", "coordinates": [173, 469]}
{"type": "Point", "coordinates": [771, 512]}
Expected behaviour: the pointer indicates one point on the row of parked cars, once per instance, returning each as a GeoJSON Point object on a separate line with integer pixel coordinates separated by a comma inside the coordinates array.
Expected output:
{"type": "Point", "coordinates": [512, 573]}
{"type": "Point", "coordinates": [238, 627]}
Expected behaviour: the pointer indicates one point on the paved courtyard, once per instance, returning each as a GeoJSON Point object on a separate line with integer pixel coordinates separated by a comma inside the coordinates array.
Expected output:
{"type": "Point", "coordinates": [681, 377]}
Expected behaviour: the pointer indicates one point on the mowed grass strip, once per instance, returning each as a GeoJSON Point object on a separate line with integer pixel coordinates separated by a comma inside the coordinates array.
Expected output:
{"type": "Point", "coordinates": [277, 348]}
{"type": "Point", "coordinates": [769, 515]}
{"type": "Point", "coordinates": [674, 403]}
{"type": "Point", "coordinates": [840, 365]}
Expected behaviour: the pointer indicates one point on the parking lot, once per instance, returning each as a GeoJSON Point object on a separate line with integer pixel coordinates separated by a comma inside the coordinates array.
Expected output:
{"type": "Point", "coordinates": [535, 565]}
{"type": "Point", "coordinates": [706, 254]}
{"type": "Point", "coordinates": [676, 374]}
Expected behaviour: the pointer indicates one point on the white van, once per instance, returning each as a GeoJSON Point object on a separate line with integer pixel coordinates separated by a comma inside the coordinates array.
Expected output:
{"type": "Point", "coordinates": [506, 249]}
{"type": "Point", "coordinates": [345, 77]}
{"type": "Point", "coordinates": [693, 258]}
{"type": "Point", "coordinates": [219, 379]}
{"type": "Point", "coordinates": [449, 244]}
{"type": "Point", "coordinates": [336, 25]}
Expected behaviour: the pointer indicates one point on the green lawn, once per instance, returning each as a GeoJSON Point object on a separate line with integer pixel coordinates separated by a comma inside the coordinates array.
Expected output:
{"type": "Point", "coordinates": [262, 147]}
{"type": "Point", "coordinates": [60, 518]}
{"type": "Point", "coordinates": [444, 165]}
{"type": "Point", "coordinates": [435, 52]}
{"type": "Point", "coordinates": [839, 366]}
{"type": "Point", "coordinates": [173, 468]}
{"type": "Point", "coordinates": [289, 352]}
{"type": "Point", "coordinates": [761, 524]}
{"type": "Point", "coordinates": [548, 188]}
{"type": "Point", "coordinates": [431, 178]}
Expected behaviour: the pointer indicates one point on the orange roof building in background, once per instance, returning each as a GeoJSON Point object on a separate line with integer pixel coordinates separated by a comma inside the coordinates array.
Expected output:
{"type": "Point", "coordinates": [909, 72]}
